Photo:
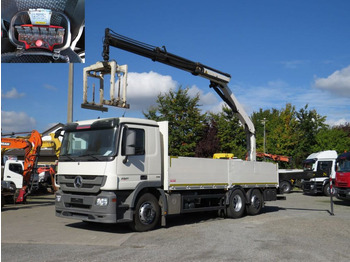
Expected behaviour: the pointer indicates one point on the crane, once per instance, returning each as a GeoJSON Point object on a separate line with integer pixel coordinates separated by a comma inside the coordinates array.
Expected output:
{"type": "Point", "coordinates": [218, 80]}
{"type": "Point", "coordinates": [31, 148]}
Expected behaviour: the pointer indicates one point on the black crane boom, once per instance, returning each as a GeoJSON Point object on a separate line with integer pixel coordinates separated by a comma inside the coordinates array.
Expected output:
{"type": "Point", "coordinates": [218, 79]}
{"type": "Point", "coordinates": [161, 55]}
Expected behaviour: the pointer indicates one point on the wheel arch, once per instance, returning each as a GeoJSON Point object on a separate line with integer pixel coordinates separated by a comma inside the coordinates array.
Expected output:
{"type": "Point", "coordinates": [142, 188]}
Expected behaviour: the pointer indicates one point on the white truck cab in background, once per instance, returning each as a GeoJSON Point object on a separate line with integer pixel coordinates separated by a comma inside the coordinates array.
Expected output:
{"type": "Point", "coordinates": [321, 166]}
{"type": "Point", "coordinates": [12, 171]}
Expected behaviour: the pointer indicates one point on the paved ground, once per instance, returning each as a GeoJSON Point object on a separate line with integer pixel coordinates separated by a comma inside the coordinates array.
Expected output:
{"type": "Point", "coordinates": [298, 228]}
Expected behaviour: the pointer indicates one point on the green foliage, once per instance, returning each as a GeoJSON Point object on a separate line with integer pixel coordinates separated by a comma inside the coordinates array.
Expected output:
{"type": "Point", "coordinates": [288, 132]}
{"type": "Point", "coordinates": [280, 131]}
{"type": "Point", "coordinates": [332, 139]}
{"type": "Point", "coordinates": [309, 124]}
{"type": "Point", "coordinates": [186, 123]}
{"type": "Point", "coordinates": [231, 133]}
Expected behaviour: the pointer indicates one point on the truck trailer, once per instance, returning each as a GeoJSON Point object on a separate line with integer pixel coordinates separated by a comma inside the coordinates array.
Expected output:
{"type": "Point", "coordinates": [118, 170]}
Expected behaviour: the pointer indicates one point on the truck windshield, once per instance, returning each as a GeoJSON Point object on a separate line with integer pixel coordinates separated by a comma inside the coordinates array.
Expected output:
{"type": "Point", "coordinates": [88, 144]}
{"type": "Point", "coordinates": [344, 165]}
{"type": "Point", "coordinates": [308, 164]}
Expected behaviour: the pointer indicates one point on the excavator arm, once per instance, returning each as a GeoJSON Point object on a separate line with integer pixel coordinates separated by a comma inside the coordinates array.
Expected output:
{"type": "Point", "coordinates": [218, 80]}
{"type": "Point", "coordinates": [31, 148]}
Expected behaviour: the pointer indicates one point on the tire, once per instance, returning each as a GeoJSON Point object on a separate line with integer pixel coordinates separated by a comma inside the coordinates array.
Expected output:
{"type": "Point", "coordinates": [236, 207]}
{"type": "Point", "coordinates": [15, 193]}
{"type": "Point", "coordinates": [147, 213]}
{"type": "Point", "coordinates": [326, 189]}
{"type": "Point", "coordinates": [256, 202]}
{"type": "Point", "coordinates": [285, 187]}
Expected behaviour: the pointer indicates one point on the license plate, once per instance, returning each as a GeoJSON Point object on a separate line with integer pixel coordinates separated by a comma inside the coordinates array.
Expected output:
{"type": "Point", "coordinates": [76, 200]}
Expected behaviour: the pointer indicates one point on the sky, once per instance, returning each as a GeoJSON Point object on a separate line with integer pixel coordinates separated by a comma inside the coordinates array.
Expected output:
{"type": "Point", "coordinates": [276, 51]}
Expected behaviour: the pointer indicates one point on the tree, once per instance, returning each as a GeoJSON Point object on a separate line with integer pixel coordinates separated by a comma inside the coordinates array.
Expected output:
{"type": "Point", "coordinates": [332, 139]}
{"type": "Point", "coordinates": [345, 127]}
{"type": "Point", "coordinates": [186, 123]}
{"type": "Point", "coordinates": [231, 133]}
{"type": "Point", "coordinates": [209, 144]}
{"type": "Point", "coordinates": [280, 125]}
{"type": "Point", "coordinates": [309, 124]}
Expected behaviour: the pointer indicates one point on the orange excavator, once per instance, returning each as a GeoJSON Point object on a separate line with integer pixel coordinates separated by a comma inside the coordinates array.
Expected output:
{"type": "Point", "coordinates": [31, 148]}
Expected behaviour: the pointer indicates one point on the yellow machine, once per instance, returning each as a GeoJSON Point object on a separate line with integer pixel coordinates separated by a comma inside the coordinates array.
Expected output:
{"type": "Point", "coordinates": [223, 156]}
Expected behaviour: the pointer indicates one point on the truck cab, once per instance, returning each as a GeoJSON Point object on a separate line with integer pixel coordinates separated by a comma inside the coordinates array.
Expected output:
{"type": "Point", "coordinates": [12, 171]}
{"type": "Point", "coordinates": [342, 178]}
{"type": "Point", "coordinates": [320, 167]}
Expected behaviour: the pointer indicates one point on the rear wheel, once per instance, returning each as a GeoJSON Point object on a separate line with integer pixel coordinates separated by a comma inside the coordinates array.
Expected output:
{"type": "Point", "coordinates": [236, 207]}
{"type": "Point", "coordinates": [256, 202]}
{"type": "Point", "coordinates": [285, 187]}
{"type": "Point", "coordinates": [147, 213]}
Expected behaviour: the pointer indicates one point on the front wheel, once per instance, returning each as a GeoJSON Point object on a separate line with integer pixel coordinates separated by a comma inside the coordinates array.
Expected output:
{"type": "Point", "coordinates": [236, 207]}
{"type": "Point", "coordinates": [327, 190]}
{"type": "Point", "coordinates": [147, 213]}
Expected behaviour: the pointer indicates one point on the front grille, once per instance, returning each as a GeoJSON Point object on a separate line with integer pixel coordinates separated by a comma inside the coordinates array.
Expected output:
{"type": "Point", "coordinates": [90, 184]}
{"type": "Point", "coordinates": [342, 184]}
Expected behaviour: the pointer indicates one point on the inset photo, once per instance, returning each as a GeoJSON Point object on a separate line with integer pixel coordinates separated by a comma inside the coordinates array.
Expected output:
{"type": "Point", "coordinates": [43, 31]}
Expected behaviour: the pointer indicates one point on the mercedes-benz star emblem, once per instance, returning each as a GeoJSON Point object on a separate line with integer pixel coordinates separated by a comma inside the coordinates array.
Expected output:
{"type": "Point", "coordinates": [78, 182]}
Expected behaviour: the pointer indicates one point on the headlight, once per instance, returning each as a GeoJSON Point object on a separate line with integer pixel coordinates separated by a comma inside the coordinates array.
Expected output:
{"type": "Point", "coordinates": [102, 201]}
{"type": "Point", "coordinates": [58, 198]}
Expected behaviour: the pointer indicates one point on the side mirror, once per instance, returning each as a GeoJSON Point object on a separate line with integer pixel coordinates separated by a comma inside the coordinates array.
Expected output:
{"type": "Point", "coordinates": [128, 144]}
{"type": "Point", "coordinates": [58, 132]}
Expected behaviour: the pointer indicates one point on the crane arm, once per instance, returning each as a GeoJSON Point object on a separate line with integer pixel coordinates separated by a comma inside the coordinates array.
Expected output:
{"type": "Point", "coordinates": [218, 79]}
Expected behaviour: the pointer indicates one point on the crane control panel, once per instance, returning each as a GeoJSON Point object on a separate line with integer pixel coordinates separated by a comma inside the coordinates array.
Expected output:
{"type": "Point", "coordinates": [46, 30]}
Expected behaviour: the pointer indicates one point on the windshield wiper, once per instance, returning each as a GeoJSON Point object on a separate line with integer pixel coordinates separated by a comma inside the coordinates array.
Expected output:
{"type": "Point", "coordinates": [90, 155]}
{"type": "Point", "coordinates": [69, 157]}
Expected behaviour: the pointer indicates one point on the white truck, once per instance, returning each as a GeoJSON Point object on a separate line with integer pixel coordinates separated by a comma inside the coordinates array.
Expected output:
{"type": "Point", "coordinates": [12, 171]}
{"type": "Point", "coordinates": [320, 166]}
{"type": "Point", "coordinates": [11, 180]}
{"type": "Point", "coordinates": [118, 169]}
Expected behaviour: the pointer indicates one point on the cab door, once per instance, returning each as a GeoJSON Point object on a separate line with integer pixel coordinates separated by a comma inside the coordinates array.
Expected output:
{"type": "Point", "coordinates": [132, 166]}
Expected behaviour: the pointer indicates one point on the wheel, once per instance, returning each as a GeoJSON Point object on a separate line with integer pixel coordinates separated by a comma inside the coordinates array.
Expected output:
{"type": "Point", "coordinates": [236, 207]}
{"type": "Point", "coordinates": [285, 187]}
{"type": "Point", "coordinates": [326, 190]}
{"type": "Point", "coordinates": [256, 202]}
{"type": "Point", "coordinates": [15, 193]}
{"type": "Point", "coordinates": [147, 213]}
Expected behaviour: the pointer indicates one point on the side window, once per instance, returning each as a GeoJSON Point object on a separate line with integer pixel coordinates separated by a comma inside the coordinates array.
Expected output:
{"type": "Point", "coordinates": [325, 166]}
{"type": "Point", "coordinates": [16, 168]}
{"type": "Point", "coordinates": [133, 141]}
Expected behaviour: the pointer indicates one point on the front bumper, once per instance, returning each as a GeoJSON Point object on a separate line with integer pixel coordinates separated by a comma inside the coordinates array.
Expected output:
{"type": "Point", "coordinates": [83, 207]}
{"type": "Point", "coordinates": [342, 193]}
{"type": "Point", "coordinates": [312, 187]}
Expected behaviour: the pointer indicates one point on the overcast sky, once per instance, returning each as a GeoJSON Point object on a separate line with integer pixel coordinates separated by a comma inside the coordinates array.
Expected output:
{"type": "Point", "coordinates": [276, 51]}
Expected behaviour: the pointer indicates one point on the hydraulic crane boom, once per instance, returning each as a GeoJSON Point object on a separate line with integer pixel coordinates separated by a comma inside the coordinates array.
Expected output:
{"type": "Point", "coordinates": [218, 80]}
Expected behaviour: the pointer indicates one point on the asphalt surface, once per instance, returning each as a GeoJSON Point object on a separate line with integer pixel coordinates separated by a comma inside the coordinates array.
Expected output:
{"type": "Point", "coordinates": [298, 228]}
